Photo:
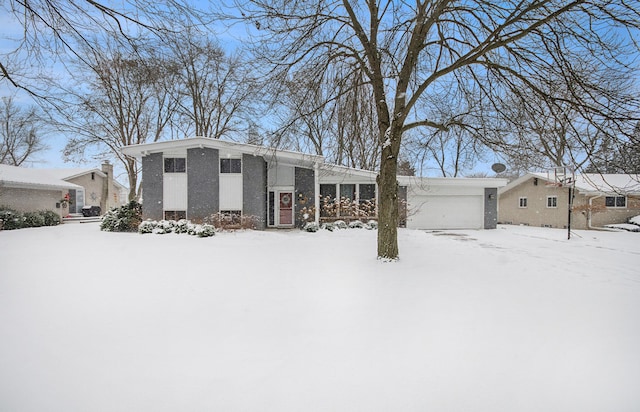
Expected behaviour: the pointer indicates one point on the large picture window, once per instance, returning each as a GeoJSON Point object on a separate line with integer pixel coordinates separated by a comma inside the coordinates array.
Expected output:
{"type": "Point", "coordinates": [230, 165]}
{"type": "Point", "coordinates": [175, 165]}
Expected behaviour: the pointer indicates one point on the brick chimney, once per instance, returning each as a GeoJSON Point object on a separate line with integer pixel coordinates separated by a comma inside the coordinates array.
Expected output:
{"type": "Point", "coordinates": [107, 202]}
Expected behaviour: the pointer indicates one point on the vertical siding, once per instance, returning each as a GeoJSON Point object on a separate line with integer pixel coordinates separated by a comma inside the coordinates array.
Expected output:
{"type": "Point", "coordinates": [152, 186]}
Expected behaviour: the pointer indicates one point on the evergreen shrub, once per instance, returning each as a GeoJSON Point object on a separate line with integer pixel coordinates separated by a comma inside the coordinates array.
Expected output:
{"type": "Point", "coordinates": [126, 218]}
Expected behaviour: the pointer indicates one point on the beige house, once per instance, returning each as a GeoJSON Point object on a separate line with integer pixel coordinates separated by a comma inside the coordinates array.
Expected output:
{"type": "Point", "coordinates": [66, 191]}
{"type": "Point", "coordinates": [535, 199]}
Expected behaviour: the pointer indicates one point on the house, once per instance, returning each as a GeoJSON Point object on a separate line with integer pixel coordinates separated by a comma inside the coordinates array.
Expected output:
{"type": "Point", "coordinates": [196, 177]}
{"type": "Point", "coordinates": [537, 199]}
{"type": "Point", "coordinates": [66, 191]}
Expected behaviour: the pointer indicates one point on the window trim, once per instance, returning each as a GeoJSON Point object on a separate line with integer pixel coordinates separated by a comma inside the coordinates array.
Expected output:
{"type": "Point", "coordinates": [615, 202]}
{"type": "Point", "coordinates": [231, 168]}
{"type": "Point", "coordinates": [164, 164]}
{"type": "Point", "coordinates": [520, 202]}
{"type": "Point", "coordinates": [555, 202]}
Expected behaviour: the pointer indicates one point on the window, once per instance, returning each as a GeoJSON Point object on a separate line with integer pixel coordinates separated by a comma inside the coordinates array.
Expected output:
{"type": "Point", "coordinates": [615, 201]}
{"type": "Point", "coordinates": [93, 175]}
{"type": "Point", "coordinates": [367, 192]}
{"type": "Point", "coordinates": [348, 191]}
{"type": "Point", "coordinates": [175, 165]}
{"type": "Point", "coordinates": [523, 202]}
{"type": "Point", "coordinates": [230, 165]}
{"type": "Point", "coordinates": [328, 191]}
{"type": "Point", "coordinates": [552, 201]}
{"type": "Point", "coordinates": [175, 214]}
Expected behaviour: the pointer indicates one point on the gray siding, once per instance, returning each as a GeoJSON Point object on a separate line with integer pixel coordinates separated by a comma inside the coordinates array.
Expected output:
{"type": "Point", "coordinates": [304, 192]}
{"type": "Point", "coordinates": [490, 207]}
{"type": "Point", "coordinates": [203, 183]}
{"type": "Point", "coordinates": [254, 188]}
{"type": "Point", "coordinates": [152, 175]}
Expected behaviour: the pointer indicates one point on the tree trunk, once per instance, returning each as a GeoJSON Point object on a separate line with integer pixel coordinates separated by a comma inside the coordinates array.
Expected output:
{"type": "Point", "coordinates": [388, 197]}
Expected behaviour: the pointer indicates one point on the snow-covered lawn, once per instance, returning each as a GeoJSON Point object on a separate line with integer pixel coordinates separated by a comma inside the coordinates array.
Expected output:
{"type": "Point", "coordinates": [513, 319]}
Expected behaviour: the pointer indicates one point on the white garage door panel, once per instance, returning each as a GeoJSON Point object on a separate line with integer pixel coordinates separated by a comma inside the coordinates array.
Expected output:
{"type": "Point", "coordinates": [446, 212]}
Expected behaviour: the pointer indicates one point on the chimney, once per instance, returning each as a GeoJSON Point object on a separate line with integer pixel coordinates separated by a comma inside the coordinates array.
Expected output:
{"type": "Point", "coordinates": [107, 201]}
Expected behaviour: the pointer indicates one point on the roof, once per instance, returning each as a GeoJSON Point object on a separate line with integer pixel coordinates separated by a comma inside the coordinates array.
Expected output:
{"type": "Point", "coordinates": [269, 153]}
{"type": "Point", "coordinates": [453, 181]}
{"type": "Point", "coordinates": [22, 177]}
{"type": "Point", "coordinates": [589, 184]}
{"type": "Point", "coordinates": [71, 173]}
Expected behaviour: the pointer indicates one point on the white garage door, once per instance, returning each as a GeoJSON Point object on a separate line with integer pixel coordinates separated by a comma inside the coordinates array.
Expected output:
{"type": "Point", "coordinates": [446, 212]}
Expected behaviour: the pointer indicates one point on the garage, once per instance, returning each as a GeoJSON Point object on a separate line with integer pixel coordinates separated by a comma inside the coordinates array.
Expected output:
{"type": "Point", "coordinates": [445, 212]}
{"type": "Point", "coordinates": [451, 203]}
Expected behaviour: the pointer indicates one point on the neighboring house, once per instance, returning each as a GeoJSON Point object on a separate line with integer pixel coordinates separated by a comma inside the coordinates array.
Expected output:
{"type": "Point", "coordinates": [65, 191]}
{"type": "Point", "coordinates": [99, 187]}
{"type": "Point", "coordinates": [197, 177]}
{"type": "Point", "coordinates": [534, 199]}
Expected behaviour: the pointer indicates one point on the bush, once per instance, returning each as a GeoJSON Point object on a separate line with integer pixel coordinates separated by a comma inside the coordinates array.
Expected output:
{"type": "Point", "coordinates": [227, 221]}
{"type": "Point", "coordinates": [147, 226]}
{"type": "Point", "coordinates": [11, 219]}
{"type": "Point", "coordinates": [311, 227]}
{"type": "Point", "coordinates": [33, 219]}
{"type": "Point", "coordinates": [356, 224]}
{"type": "Point", "coordinates": [205, 230]}
{"type": "Point", "coordinates": [126, 218]}
{"type": "Point", "coordinates": [51, 218]}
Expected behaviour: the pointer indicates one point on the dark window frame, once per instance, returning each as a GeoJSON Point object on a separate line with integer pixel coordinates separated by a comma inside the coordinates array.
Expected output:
{"type": "Point", "coordinates": [616, 202]}
{"type": "Point", "coordinates": [175, 165]}
{"type": "Point", "coordinates": [231, 166]}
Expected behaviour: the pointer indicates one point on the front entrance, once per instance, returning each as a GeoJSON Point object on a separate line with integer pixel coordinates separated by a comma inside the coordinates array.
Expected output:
{"type": "Point", "coordinates": [285, 208]}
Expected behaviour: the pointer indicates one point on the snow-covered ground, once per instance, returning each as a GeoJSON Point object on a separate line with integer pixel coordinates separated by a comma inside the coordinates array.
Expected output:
{"type": "Point", "coordinates": [513, 319]}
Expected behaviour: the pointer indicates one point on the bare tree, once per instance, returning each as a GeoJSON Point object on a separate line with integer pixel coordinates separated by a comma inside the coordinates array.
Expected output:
{"type": "Point", "coordinates": [217, 90]}
{"type": "Point", "coordinates": [128, 101]}
{"type": "Point", "coordinates": [50, 32]}
{"type": "Point", "coordinates": [414, 52]}
{"type": "Point", "coordinates": [21, 131]}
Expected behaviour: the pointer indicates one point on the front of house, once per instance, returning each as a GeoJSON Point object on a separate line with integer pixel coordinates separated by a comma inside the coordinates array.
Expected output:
{"type": "Point", "coordinates": [535, 199]}
{"type": "Point", "coordinates": [197, 177]}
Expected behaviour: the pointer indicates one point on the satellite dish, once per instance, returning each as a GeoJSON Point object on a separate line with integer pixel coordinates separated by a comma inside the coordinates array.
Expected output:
{"type": "Point", "coordinates": [498, 167]}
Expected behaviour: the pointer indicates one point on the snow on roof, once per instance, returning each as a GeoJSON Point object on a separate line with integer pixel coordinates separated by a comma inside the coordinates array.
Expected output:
{"type": "Point", "coordinates": [590, 183]}
{"type": "Point", "coordinates": [13, 176]}
{"type": "Point", "coordinates": [608, 183]}
{"type": "Point", "coordinates": [141, 150]}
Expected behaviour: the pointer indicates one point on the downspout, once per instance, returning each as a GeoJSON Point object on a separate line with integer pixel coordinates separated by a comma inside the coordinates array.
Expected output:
{"type": "Point", "coordinates": [590, 206]}
{"type": "Point", "coordinates": [316, 200]}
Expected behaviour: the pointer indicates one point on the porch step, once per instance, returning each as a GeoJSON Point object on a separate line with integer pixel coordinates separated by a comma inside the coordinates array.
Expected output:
{"type": "Point", "coordinates": [78, 218]}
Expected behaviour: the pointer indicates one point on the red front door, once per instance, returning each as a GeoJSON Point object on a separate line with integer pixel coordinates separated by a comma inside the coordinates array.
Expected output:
{"type": "Point", "coordinates": [286, 208]}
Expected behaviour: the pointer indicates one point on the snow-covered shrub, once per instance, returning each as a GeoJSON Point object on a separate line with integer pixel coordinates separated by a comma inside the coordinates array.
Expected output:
{"type": "Point", "coordinates": [372, 224]}
{"type": "Point", "coordinates": [181, 226]}
{"type": "Point", "coordinates": [311, 227]}
{"type": "Point", "coordinates": [329, 226]}
{"type": "Point", "coordinates": [163, 226]}
{"type": "Point", "coordinates": [51, 218]}
{"type": "Point", "coordinates": [340, 224]}
{"type": "Point", "coordinates": [356, 224]}
{"type": "Point", "coordinates": [205, 230]}
{"type": "Point", "coordinates": [126, 218]}
{"type": "Point", "coordinates": [635, 220]}
{"type": "Point", "coordinates": [33, 219]}
{"type": "Point", "coordinates": [147, 226]}
{"type": "Point", "coordinates": [11, 219]}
